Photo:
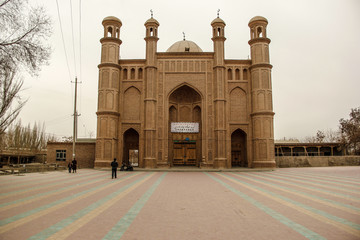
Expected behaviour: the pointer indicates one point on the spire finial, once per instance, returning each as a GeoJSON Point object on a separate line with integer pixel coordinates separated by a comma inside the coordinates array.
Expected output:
{"type": "Point", "coordinates": [152, 13]}
{"type": "Point", "coordinates": [218, 12]}
{"type": "Point", "coordinates": [184, 36]}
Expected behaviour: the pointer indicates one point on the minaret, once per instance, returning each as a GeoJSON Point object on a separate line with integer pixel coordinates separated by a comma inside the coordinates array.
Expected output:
{"type": "Point", "coordinates": [108, 97]}
{"type": "Point", "coordinates": [151, 39]}
{"type": "Point", "coordinates": [261, 93]}
{"type": "Point", "coordinates": [218, 28]}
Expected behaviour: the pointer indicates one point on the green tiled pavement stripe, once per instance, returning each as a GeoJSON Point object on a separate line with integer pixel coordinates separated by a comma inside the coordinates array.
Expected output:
{"type": "Point", "coordinates": [314, 210]}
{"type": "Point", "coordinates": [300, 192]}
{"type": "Point", "coordinates": [313, 179]}
{"type": "Point", "coordinates": [51, 192]}
{"type": "Point", "coordinates": [290, 179]}
{"type": "Point", "coordinates": [42, 185]}
{"type": "Point", "coordinates": [284, 220]}
{"type": "Point", "coordinates": [120, 228]}
{"type": "Point", "coordinates": [60, 201]}
{"type": "Point", "coordinates": [65, 222]}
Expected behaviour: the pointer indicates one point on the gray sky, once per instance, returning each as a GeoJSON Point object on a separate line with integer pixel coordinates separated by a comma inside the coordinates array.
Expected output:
{"type": "Point", "coordinates": [314, 51]}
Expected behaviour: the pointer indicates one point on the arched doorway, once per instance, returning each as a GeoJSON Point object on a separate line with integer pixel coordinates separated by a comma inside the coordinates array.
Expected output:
{"type": "Point", "coordinates": [185, 127]}
{"type": "Point", "coordinates": [131, 147]}
{"type": "Point", "coordinates": [238, 149]}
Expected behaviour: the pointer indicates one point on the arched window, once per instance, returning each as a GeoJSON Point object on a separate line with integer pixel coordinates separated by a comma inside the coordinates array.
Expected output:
{"type": "Point", "coordinates": [219, 32]}
{"type": "Point", "coordinates": [245, 74]}
{"type": "Point", "coordinates": [109, 32]}
{"type": "Point", "coordinates": [125, 73]}
{"type": "Point", "coordinates": [151, 32]}
{"type": "Point", "coordinates": [229, 74]}
{"type": "Point", "coordinates": [237, 74]}
{"type": "Point", "coordinates": [117, 33]}
{"type": "Point", "coordinates": [132, 74]}
{"type": "Point", "coordinates": [140, 73]}
{"type": "Point", "coordinates": [259, 32]}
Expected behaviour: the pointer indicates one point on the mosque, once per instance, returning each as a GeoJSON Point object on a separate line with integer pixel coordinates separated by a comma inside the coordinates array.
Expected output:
{"type": "Point", "coordinates": [185, 107]}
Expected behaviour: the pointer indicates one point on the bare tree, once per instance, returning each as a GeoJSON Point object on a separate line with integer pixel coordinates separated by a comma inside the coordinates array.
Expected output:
{"type": "Point", "coordinates": [350, 131]}
{"type": "Point", "coordinates": [332, 136]}
{"type": "Point", "coordinates": [23, 32]}
{"type": "Point", "coordinates": [18, 137]}
{"type": "Point", "coordinates": [10, 101]}
{"type": "Point", "coordinates": [328, 136]}
{"type": "Point", "coordinates": [309, 139]}
{"type": "Point", "coordinates": [320, 136]}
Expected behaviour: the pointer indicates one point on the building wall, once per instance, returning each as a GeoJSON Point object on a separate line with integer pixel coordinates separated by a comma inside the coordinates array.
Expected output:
{"type": "Point", "coordinates": [314, 161]}
{"type": "Point", "coordinates": [85, 153]}
{"type": "Point", "coordinates": [235, 96]}
{"type": "Point", "coordinates": [86, 156]}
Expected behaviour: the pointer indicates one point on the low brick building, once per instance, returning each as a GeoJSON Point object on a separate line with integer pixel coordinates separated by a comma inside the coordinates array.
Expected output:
{"type": "Point", "coordinates": [61, 153]}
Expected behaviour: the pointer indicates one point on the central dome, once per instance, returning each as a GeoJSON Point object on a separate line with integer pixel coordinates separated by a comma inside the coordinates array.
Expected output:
{"type": "Point", "coordinates": [184, 46]}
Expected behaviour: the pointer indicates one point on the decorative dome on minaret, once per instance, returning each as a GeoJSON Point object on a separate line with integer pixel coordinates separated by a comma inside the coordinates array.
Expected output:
{"type": "Point", "coordinates": [152, 21]}
{"type": "Point", "coordinates": [151, 26]}
{"type": "Point", "coordinates": [218, 20]}
{"type": "Point", "coordinates": [257, 18]}
{"type": "Point", "coordinates": [258, 27]}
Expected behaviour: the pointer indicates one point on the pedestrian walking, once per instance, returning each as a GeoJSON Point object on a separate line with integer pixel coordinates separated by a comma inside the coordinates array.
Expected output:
{"type": "Point", "coordinates": [74, 163]}
{"type": "Point", "coordinates": [114, 166]}
{"type": "Point", "coordinates": [69, 167]}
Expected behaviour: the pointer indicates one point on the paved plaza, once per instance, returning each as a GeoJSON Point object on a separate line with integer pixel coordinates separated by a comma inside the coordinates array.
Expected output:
{"type": "Point", "coordinates": [291, 203]}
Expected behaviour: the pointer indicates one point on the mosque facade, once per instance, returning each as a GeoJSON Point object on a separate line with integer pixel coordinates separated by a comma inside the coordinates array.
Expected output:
{"type": "Point", "coordinates": [185, 107]}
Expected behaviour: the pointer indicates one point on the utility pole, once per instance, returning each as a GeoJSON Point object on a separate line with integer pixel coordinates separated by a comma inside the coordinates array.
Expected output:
{"type": "Point", "coordinates": [75, 119]}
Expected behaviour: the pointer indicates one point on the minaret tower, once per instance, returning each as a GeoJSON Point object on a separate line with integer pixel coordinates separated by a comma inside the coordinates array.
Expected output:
{"type": "Point", "coordinates": [261, 93]}
{"type": "Point", "coordinates": [218, 28]}
{"type": "Point", "coordinates": [151, 39]}
{"type": "Point", "coordinates": [108, 96]}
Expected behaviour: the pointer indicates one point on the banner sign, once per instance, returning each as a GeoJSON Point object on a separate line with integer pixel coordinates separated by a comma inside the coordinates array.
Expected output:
{"type": "Point", "coordinates": [184, 127]}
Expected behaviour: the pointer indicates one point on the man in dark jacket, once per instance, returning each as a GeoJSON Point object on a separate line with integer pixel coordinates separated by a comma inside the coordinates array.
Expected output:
{"type": "Point", "coordinates": [74, 165]}
{"type": "Point", "coordinates": [114, 166]}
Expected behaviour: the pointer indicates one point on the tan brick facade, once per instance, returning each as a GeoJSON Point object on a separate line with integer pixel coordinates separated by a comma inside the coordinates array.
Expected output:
{"type": "Point", "coordinates": [85, 153]}
{"type": "Point", "coordinates": [228, 102]}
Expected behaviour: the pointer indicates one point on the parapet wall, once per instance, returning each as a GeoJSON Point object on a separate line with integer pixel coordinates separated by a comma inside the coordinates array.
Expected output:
{"type": "Point", "coordinates": [315, 161]}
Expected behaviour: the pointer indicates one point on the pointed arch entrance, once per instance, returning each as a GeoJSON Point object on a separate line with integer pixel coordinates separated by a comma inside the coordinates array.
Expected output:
{"type": "Point", "coordinates": [238, 149]}
{"type": "Point", "coordinates": [185, 127]}
{"type": "Point", "coordinates": [131, 147]}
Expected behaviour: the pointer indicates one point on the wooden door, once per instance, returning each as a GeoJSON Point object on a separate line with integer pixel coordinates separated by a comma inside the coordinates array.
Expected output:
{"type": "Point", "coordinates": [184, 154]}
{"type": "Point", "coordinates": [178, 154]}
{"type": "Point", "coordinates": [190, 154]}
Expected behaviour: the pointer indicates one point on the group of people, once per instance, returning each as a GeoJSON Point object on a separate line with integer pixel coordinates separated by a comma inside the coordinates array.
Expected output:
{"type": "Point", "coordinates": [124, 167]}
{"type": "Point", "coordinates": [114, 165]}
{"type": "Point", "coordinates": [72, 166]}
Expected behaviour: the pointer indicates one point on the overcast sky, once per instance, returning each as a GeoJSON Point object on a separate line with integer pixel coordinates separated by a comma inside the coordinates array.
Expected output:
{"type": "Point", "coordinates": [314, 51]}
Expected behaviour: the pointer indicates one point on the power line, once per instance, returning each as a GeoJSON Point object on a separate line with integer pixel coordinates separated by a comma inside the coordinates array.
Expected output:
{"type": "Point", "coordinates": [80, 37]}
{"type": "Point", "coordinates": [72, 31]}
{"type": "Point", "coordinates": [80, 97]}
{"type": "Point", "coordinates": [62, 37]}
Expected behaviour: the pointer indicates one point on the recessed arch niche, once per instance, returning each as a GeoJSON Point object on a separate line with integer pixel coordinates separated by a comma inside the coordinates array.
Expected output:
{"type": "Point", "coordinates": [185, 145]}
{"type": "Point", "coordinates": [238, 149]}
{"type": "Point", "coordinates": [131, 147]}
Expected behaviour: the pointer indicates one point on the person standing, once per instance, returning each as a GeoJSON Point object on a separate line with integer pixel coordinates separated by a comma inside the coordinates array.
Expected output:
{"type": "Point", "coordinates": [74, 163]}
{"type": "Point", "coordinates": [114, 166]}
{"type": "Point", "coordinates": [69, 167]}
